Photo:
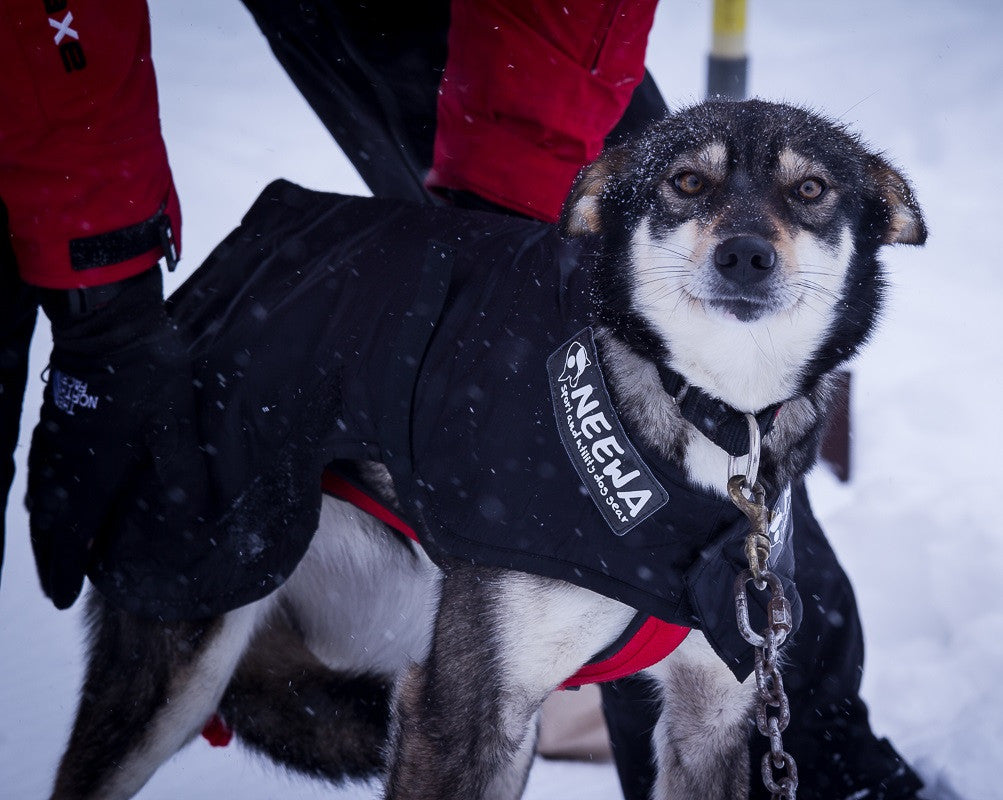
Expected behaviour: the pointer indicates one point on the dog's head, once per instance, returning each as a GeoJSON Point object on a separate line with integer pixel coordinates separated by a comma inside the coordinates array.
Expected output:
{"type": "Point", "coordinates": [735, 228]}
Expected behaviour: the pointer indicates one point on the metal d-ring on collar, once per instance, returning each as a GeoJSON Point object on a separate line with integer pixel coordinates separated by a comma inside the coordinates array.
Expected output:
{"type": "Point", "coordinates": [755, 450]}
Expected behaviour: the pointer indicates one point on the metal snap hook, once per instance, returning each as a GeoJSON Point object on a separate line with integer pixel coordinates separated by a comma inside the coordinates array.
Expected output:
{"type": "Point", "coordinates": [755, 448]}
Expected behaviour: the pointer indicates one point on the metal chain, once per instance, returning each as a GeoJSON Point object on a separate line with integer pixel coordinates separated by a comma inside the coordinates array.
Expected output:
{"type": "Point", "coordinates": [779, 771]}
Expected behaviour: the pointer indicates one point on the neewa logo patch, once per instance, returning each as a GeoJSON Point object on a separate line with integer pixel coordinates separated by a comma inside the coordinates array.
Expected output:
{"type": "Point", "coordinates": [70, 393]}
{"type": "Point", "coordinates": [618, 480]}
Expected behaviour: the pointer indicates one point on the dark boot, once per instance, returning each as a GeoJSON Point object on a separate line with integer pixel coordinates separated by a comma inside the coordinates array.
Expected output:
{"type": "Point", "coordinates": [18, 308]}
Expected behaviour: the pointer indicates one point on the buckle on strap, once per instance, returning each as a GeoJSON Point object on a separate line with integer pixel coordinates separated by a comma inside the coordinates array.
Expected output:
{"type": "Point", "coordinates": [168, 242]}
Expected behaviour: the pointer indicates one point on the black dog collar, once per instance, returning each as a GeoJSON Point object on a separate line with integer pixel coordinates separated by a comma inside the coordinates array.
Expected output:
{"type": "Point", "coordinates": [724, 425]}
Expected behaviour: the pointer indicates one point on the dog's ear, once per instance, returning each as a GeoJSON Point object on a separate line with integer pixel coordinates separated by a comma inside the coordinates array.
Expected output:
{"type": "Point", "coordinates": [580, 214]}
{"type": "Point", "coordinates": [905, 219]}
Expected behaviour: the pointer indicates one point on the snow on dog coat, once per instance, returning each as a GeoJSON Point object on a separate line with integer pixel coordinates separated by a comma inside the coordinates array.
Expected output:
{"type": "Point", "coordinates": [455, 348]}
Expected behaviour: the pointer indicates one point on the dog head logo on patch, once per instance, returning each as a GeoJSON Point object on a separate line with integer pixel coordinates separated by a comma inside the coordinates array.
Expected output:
{"type": "Point", "coordinates": [781, 524]}
{"type": "Point", "coordinates": [575, 363]}
{"type": "Point", "coordinates": [70, 393]}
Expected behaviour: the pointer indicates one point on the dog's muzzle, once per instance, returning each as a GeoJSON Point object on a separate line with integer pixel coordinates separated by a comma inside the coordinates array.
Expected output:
{"type": "Point", "coordinates": [744, 263]}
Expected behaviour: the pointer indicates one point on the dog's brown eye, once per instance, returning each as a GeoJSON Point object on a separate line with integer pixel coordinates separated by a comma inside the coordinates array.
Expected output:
{"type": "Point", "coordinates": [688, 183]}
{"type": "Point", "coordinates": [811, 189]}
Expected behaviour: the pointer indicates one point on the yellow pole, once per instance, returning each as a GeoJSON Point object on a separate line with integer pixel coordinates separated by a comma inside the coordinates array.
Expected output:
{"type": "Point", "coordinates": [727, 65]}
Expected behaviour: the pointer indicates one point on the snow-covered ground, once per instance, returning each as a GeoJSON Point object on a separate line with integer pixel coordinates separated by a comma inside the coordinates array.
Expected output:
{"type": "Point", "coordinates": [917, 528]}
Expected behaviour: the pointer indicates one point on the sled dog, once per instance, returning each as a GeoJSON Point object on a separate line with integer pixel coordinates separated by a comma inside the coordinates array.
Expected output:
{"type": "Point", "coordinates": [732, 255]}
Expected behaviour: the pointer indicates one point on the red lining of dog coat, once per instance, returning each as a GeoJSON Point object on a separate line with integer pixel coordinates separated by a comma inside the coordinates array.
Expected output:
{"type": "Point", "coordinates": [217, 732]}
{"type": "Point", "coordinates": [336, 486]}
{"type": "Point", "coordinates": [653, 642]}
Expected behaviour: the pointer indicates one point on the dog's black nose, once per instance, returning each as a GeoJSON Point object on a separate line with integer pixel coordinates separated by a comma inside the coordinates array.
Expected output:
{"type": "Point", "coordinates": [745, 259]}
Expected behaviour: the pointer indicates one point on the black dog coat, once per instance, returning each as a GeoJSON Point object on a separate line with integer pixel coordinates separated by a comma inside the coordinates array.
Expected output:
{"type": "Point", "coordinates": [455, 348]}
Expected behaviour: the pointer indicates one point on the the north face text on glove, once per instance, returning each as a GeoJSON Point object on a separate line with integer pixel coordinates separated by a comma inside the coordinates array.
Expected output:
{"type": "Point", "coordinates": [71, 393]}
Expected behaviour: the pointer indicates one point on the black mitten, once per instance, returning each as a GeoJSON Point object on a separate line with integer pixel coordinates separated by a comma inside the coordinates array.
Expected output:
{"type": "Point", "coordinates": [119, 395]}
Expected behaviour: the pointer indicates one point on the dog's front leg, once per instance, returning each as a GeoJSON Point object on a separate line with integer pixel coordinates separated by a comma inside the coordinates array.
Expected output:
{"type": "Point", "coordinates": [458, 731]}
{"type": "Point", "coordinates": [464, 723]}
{"type": "Point", "coordinates": [702, 735]}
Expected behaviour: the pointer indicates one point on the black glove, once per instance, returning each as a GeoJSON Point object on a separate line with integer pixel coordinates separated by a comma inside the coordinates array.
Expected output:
{"type": "Point", "coordinates": [119, 397]}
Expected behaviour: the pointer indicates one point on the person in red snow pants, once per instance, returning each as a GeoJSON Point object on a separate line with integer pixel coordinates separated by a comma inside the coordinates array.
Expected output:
{"type": "Point", "coordinates": [489, 105]}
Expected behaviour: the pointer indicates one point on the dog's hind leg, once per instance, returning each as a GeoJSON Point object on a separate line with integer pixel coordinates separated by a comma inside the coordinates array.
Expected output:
{"type": "Point", "coordinates": [313, 689]}
{"type": "Point", "coordinates": [464, 721]}
{"type": "Point", "coordinates": [285, 703]}
{"type": "Point", "coordinates": [149, 688]}
{"type": "Point", "coordinates": [702, 735]}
